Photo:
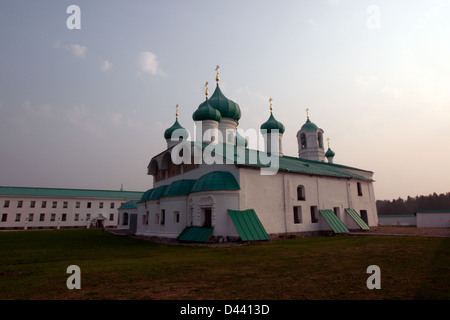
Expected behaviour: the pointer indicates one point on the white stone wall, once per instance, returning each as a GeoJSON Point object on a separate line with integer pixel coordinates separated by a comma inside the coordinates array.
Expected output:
{"type": "Point", "coordinates": [273, 198]}
{"type": "Point", "coordinates": [433, 220]}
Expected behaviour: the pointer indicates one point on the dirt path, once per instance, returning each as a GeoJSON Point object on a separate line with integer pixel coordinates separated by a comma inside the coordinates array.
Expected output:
{"type": "Point", "coordinates": [437, 232]}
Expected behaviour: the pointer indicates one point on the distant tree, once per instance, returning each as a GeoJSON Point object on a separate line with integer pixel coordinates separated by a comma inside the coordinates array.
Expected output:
{"type": "Point", "coordinates": [411, 205]}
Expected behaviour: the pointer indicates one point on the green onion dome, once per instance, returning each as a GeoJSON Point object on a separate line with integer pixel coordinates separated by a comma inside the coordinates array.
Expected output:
{"type": "Point", "coordinates": [309, 126]}
{"type": "Point", "coordinates": [206, 112]}
{"type": "Point", "coordinates": [226, 107]}
{"type": "Point", "coordinates": [273, 124]}
{"type": "Point", "coordinates": [175, 126]}
{"type": "Point", "coordinates": [329, 153]}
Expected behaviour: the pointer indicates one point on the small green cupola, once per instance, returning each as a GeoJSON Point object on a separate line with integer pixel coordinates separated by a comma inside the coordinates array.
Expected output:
{"type": "Point", "coordinates": [272, 124]}
{"type": "Point", "coordinates": [272, 131]}
{"type": "Point", "coordinates": [175, 130]}
{"type": "Point", "coordinates": [330, 153]}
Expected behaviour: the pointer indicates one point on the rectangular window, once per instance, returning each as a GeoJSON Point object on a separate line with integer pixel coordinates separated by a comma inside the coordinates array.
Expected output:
{"type": "Point", "coordinates": [88, 216]}
{"type": "Point", "coordinates": [44, 204]}
{"type": "Point", "coordinates": [358, 184]}
{"type": "Point", "coordinates": [42, 217]}
{"type": "Point", "coordinates": [112, 205]}
{"type": "Point", "coordinates": [314, 215]}
{"type": "Point", "coordinates": [6, 204]}
{"type": "Point", "coordinates": [52, 217]}
{"type": "Point", "coordinates": [77, 217]}
{"type": "Point", "coordinates": [100, 205]}
{"type": "Point", "coordinates": [64, 217]}
{"type": "Point", "coordinates": [111, 217]}
{"type": "Point", "coordinates": [18, 216]}
{"type": "Point", "coordinates": [30, 217]}
{"type": "Point", "coordinates": [176, 216]}
{"type": "Point", "coordinates": [19, 204]}
{"type": "Point", "coordinates": [156, 218]}
{"type": "Point", "coordinates": [65, 204]}
{"type": "Point", "coordinates": [77, 204]}
{"type": "Point", "coordinates": [297, 214]}
{"type": "Point", "coordinates": [147, 217]}
{"type": "Point", "coordinates": [163, 216]}
{"type": "Point", "coordinates": [32, 204]}
{"type": "Point", "coordinates": [144, 220]}
{"type": "Point", "coordinates": [54, 204]}
{"type": "Point", "coordinates": [88, 205]}
{"type": "Point", "coordinates": [4, 217]}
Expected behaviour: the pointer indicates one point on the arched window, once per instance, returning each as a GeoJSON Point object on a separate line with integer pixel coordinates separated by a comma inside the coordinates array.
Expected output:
{"type": "Point", "coordinates": [303, 141]}
{"type": "Point", "coordinates": [320, 139]}
{"type": "Point", "coordinates": [125, 219]}
{"type": "Point", "coordinates": [301, 192]}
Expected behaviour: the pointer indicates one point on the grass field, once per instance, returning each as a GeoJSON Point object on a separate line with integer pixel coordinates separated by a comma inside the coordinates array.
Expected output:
{"type": "Point", "coordinates": [33, 265]}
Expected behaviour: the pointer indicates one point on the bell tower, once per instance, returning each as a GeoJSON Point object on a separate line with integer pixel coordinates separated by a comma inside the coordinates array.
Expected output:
{"type": "Point", "coordinates": [310, 141]}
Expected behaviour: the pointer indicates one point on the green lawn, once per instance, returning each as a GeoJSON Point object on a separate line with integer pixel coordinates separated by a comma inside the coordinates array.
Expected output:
{"type": "Point", "coordinates": [33, 266]}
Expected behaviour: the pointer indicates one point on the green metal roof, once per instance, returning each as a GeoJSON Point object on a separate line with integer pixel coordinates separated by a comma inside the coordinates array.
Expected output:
{"type": "Point", "coordinates": [129, 205]}
{"type": "Point", "coordinates": [273, 124]}
{"type": "Point", "coordinates": [69, 193]}
{"type": "Point", "coordinates": [216, 180]}
{"type": "Point", "coordinates": [252, 158]}
{"type": "Point", "coordinates": [333, 221]}
{"type": "Point", "coordinates": [309, 126]}
{"type": "Point", "coordinates": [175, 126]}
{"type": "Point", "coordinates": [195, 234]}
{"type": "Point", "coordinates": [179, 188]}
{"type": "Point", "coordinates": [157, 193]}
{"type": "Point", "coordinates": [248, 225]}
{"type": "Point", "coordinates": [206, 112]}
{"type": "Point", "coordinates": [146, 195]}
{"type": "Point", "coordinates": [357, 219]}
{"type": "Point", "coordinates": [226, 107]}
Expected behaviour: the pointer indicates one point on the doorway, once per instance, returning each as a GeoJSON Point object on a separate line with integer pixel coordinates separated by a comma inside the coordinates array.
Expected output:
{"type": "Point", "coordinates": [207, 214]}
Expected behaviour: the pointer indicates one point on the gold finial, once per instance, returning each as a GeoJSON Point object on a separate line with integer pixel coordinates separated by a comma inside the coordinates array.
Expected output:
{"type": "Point", "coordinates": [217, 74]}
{"type": "Point", "coordinates": [176, 114]}
{"type": "Point", "coordinates": [307, 113]}
{"type": "Point", "coordinates": [270, 100]}
{"type": "Point", "coordinates": [328, 140]}
{"type": "Point", "coordinates": [206, 85]}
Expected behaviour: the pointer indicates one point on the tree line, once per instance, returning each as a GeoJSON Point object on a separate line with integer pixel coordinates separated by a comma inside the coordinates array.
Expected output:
{"type": "Point", "coordinates": [412, 205]}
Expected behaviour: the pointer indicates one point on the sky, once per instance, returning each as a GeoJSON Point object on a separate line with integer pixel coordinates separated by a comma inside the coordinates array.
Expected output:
{"type": "Point", "coordinates": [85, 95]}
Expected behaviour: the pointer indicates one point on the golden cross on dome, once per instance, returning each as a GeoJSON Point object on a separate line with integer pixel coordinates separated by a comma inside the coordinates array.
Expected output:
{"type": "Point", "coordinates": [217, 74]}
{"type": "Point", "coordinates": [307, 113]}
{"type": "Point", "coordinates": [328, 140]}
{"type": "Point", "coordinates": [270, 100]}
{"type": "Point", "coordinates": [177, 111]}
{"type": "Point", "coordinates": [206, 85]}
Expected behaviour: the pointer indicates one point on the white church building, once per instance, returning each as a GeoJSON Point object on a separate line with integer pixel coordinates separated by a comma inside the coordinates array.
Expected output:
{"type": "Point", "coordinates": [215, 188]}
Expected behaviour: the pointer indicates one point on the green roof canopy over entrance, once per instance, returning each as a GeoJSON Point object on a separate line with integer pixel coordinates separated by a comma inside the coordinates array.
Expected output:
{"type": "Point", "coordinates": [337, 225]}
{"type": "Point", "coordinates": [357, 219]}
{"type": "Point", "coordinates": [248, 225]}
{"type": "Point", "coordinates": [195, 234]}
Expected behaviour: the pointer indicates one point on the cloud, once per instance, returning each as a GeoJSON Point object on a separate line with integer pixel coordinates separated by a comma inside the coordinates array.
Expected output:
{"type": "Point", "coordinates": [44, 110]}
{"type": "Point", "coordinates": [148, 63]}
{"type": "Point", "coordinates": [106, 65]}
{"type": "Point", "coordinates": [75, 114]}
{"type": "Point", "coordinates": [77, 50]}
{"type": "Point", "coordinates": [365, 82]}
